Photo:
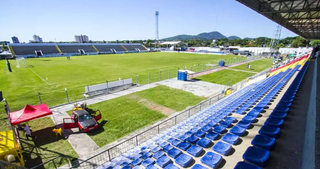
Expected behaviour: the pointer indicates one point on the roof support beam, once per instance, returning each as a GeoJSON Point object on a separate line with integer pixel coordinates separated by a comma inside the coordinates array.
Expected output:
{"type": "Point", "coordinates": [299, 16]}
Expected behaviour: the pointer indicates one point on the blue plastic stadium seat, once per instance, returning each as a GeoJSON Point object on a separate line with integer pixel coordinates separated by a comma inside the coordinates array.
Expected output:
{"type": "Point", "coordinates": [146, 155]}
{"type": "Point", "coordinates": [200, 133]}
{"type": "Point", "coordinates": [193, 139]}
{"type": "Point", "coordinates": [195, 129]}
{"type": "Point", "coordinates": [257, 156]}
{"type": "Point", "coordinates": [171, 166]}
{"type": "Point", "coordinates": [136, 156]}
{"type": "Point", "coordinates": [278, 115]}
{"type": "Point", "coordinates": [244, 165]}
{"type": "Point", "coordinates": [136, 162]}
{"type": "Point", "coordinates": [151, 167]}
{"type": "Point", "coordinates": [212, 136]}
{"type": "Point", "coordinates": [167, 148]}
{"type": "Point", "coordinates": [163, 161]}
{"type": "Point", "coordinates": [206, 128]}
{"type": "Point", "coordinates": [217, 120]}
{"type": "Point", "coordinates": [288, 96]}
{"type": "Point", "coordinates": [230, 138]}
{"type": "Point", "coordinates": [219, 129]}
{"type": "Point", "coordinates": [225, 124]}
{"type": "Point", "coordinates": [244, 124]}
{"type": "Point", "coordinates": [189, 133]}
{"type": "Point", "coordinates": [240, 111]}
{"type": "Point", "coordinates": [107, 166]}
{"type": "Point", "coordinates": [270, 131]}
{"type": "Point", "coordinates": [211, 159]}
{"type": "Point", "coordinates": [259, 109]}
{"type": "Point", "coordinates": [164, 144]}
{"type": "Point", "coordinates": [158, 154]}
{"type": "Point", "coordinates": [195, 150]}
{"type": "Point", "coordinates": [198, 166]}
{"type": "Point", "coordinates": [264, 142]}
{"type": "Point", "coordinates": [117, 167]}
{"type": "Point", "coordinates": [282, 109]}
{"type": "Point", "coordinates": [286, 100]}
{"type": "Point", "coordinates": [175, 142]}
{"type": "Point", "coordinates": [253, 113]}
{"type": "Point", "coordinates": [156, 149]}
{"type": "Point", "coordinates": [201, 125]}
{"type": "Point", "coordinates": [174, 153]}
{"type": "Point", "coordinates": [171, 139]}
{"type": "Point", "coordinates": [184, 146]}
{"type": "Point", "coordinates": [137, 167]}
{"type": "Point", "coordinates": [184, 160]}
{"type": "Point", "coordinates": [126, 167]}
{"type": "Point", "coordinates": [274, 122]}
{"type": "Point", "coordinates": [144, 151]}
{"type": "Point", "coordinates": [222, 148]}
{"type": "Point", "coordinates": [203, 142]}
{"type": "Point", "coordinates": [237, 130]}
{"type": "Point", "coordinates": [231, 119]}
{"type": "Point", "coordinates": [249, 118]}
{"type": "Point", "coordinates": [184, 137]}
{"type": "Point", "coordinates": [284, 104]}
{"type": "Point", "coordinates": [148, 162]}
{"type": "Point", "coordinates": [212, 123]}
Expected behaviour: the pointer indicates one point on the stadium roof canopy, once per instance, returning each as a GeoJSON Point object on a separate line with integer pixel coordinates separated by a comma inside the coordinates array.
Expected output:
{"type": "Point", "coordinates": [172, 43]}
{"type": "Point", "coordinates": [300, 16]}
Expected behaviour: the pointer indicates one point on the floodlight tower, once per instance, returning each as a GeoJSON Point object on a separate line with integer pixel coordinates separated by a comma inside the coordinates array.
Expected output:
{"type": "Point", "coordinates": [276, 38]}
{"type": "Point", "coordinates": [157, 27]}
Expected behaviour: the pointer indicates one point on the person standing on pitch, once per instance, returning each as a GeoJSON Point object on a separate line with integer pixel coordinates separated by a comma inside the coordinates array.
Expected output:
{"type": "Point", "coordinates": [28, 131]}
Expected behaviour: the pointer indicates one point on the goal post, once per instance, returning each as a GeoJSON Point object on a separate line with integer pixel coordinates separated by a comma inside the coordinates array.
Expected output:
{"type": "Point", "coordinates": [21, 61]}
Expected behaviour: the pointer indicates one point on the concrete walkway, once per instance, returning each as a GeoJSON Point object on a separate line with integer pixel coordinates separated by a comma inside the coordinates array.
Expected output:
{"type": "Point", "coordinates": [198, 88]}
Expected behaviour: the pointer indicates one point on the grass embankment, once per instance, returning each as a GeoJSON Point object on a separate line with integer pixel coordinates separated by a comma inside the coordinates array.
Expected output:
{"type": "Point", "coordinates": [225, 77]}
{"type": "Point", "coordinates": [231, 77]}
{"type": "Point", "coordinates": [256, 66]}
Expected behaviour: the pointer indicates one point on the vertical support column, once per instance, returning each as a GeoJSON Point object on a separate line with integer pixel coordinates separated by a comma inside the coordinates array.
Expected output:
{"type": "Point", "coordinates": [67, 94]}
{"type": "Point", "coordinates": [39, 95]}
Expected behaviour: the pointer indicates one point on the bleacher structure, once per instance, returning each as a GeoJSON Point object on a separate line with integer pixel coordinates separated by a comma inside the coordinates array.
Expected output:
{"type": "Point", "coordinates": [207, 138]}
{"type": "Point", "coordinates": [33, 50]}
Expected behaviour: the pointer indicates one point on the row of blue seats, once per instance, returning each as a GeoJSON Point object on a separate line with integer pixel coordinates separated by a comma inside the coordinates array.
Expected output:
{"type": "Point", "coordinates": [258, 154]}
{"type": "Point", "coordinates": [198, 132]}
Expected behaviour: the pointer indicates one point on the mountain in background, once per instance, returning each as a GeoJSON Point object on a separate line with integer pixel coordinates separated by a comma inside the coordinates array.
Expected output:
{"type": "Point", "coordinates": [202, 36]}
{"type": "Point", "coordinates": [233, 37]}
{"type": "Point", "coordinates": [249, 38]}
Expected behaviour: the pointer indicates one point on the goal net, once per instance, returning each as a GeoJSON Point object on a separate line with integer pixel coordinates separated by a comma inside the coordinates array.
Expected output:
{"type": "Point", "coordinates": [21, 61]}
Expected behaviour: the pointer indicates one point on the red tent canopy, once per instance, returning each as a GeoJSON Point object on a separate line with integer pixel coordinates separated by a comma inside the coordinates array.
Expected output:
{"type": "Point", "coordinates": [29, 112]}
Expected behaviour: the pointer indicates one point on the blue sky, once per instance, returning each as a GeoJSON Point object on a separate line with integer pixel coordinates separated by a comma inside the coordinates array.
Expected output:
{"type": "Point", "coordinates": [130, 19]}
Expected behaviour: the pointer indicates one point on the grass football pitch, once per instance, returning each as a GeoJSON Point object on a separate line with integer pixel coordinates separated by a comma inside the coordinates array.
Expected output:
{"type": "Point", "coordinates": [230, 77]}
{"type": "Point", "coordinates": [50, 76]}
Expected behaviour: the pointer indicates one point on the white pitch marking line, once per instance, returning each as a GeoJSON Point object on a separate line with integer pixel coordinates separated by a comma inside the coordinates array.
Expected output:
{"type": "Point", "coordinates": [39, 76]}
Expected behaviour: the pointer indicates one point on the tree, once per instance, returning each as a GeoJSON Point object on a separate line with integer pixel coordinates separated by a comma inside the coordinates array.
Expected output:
{"type": "Point", "coordinates": [149, 43]}
{"type": "Point", "coordinates": [287, 41]}
{"type": "Point", "coordinates": [4, 47]}
{"type": "Point", "coordinates": [281, 45]}
{"type": "Point", "coordinates": [300, 42]}
{"type": "Point", "coordinates": [314, 43]}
